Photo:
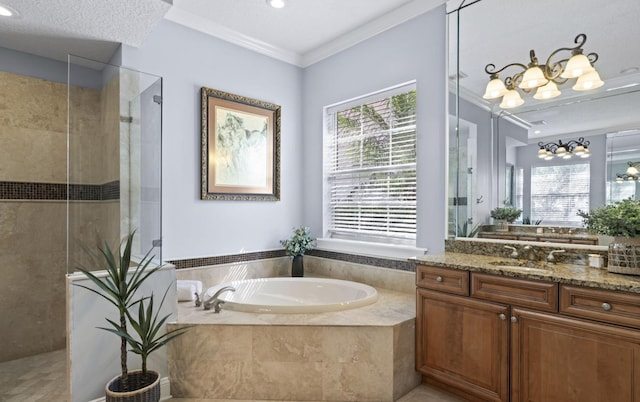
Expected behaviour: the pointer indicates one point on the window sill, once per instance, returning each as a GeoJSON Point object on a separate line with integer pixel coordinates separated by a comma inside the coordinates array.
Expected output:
{"type": "Point", "coordinates": [390, 251]}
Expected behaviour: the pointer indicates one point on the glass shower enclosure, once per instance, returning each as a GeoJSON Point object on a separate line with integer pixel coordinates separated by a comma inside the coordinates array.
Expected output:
{"type": "Point", "coordinates": [114, 159]}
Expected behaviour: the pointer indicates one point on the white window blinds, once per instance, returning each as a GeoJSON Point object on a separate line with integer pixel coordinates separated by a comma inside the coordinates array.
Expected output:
{"type": "Point", "coordinates": [370, 168]}
{"type": "Point", "coordinates": [558, 192]}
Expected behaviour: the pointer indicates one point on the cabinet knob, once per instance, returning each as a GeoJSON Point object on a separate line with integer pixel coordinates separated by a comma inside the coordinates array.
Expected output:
{"type": "Point", "coordinates": [502, 316]}
{"type": "Point", "coordinates": [606, 306]}
{"type": "Point", "coordinates": [514, 318]}
{"type": "Point", "coordinates": [438, 279]}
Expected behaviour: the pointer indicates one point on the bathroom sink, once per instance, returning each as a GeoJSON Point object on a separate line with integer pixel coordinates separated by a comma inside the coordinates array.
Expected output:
{"type": "Point", "coordinates": [522, 265]}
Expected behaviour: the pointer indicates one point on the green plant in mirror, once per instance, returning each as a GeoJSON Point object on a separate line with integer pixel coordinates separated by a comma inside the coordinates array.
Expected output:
{"type": "Point", "coordinates": [527, 221]}
{"type": "Point", "coordinates": [466, 230]}
{"type": "Point", "coordinates": [508, 214]}
{"type": "Point", "coordinates": [620, 219]}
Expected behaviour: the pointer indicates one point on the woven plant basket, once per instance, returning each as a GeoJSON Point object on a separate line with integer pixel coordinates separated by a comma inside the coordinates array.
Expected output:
{"type": "Point", "coordinates": [624, 255]}
{"type": "Point", "coordinates": [149, 393]}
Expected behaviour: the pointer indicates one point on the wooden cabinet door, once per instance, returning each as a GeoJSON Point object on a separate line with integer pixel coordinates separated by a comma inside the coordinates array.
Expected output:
{"type": "Point", "coordinates": [463, 343]}
{"type": "Point", "coordinates": [556, 358]}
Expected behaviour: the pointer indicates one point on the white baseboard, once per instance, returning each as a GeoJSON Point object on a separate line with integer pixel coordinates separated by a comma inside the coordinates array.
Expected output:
{"type": "Point", "coordinates": [165, 391]}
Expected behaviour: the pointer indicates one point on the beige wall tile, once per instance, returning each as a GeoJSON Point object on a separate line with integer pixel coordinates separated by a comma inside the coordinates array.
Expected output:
{"type": "Point", "coordinates": [287, 380]}
{"type": "Point", "coordinates": [290, 344]}
{"type": "Point", "coordinates": [33, 261]}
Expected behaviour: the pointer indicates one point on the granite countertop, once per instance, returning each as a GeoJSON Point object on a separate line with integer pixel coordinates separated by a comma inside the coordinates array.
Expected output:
{"type": "Point", "coordinates": [546, 235]}
{"type": "Point", "coordinates": [580, 275]}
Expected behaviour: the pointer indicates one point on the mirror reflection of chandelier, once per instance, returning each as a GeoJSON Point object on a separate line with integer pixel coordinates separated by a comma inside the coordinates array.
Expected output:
{"type": "Point", "coordinates": [544, 78]}
{"type": "Point", "coordinates": [631, 174]}
{"type": "Point", "coordinates": [564, 150]}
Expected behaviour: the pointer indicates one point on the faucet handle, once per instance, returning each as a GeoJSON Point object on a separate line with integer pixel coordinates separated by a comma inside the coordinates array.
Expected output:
{"type": "Point", "coordinates": [551, 257]}
{"type": "Point", "coordinates": [198, 302]}
{"type": "Point", "coordinates": [514, 252]}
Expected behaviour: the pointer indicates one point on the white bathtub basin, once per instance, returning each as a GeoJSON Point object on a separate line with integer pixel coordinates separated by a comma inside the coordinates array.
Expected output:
{"type": "Point", "coordinates": [294, 295]}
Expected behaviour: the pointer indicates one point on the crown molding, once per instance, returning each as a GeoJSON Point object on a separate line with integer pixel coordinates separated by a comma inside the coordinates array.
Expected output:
{"type": "Point", "coordinates": [204, 25]}
{"type": "Point", "coordinates": [390, 20]}
{"type": "Point", "coordinates": [375, 27]}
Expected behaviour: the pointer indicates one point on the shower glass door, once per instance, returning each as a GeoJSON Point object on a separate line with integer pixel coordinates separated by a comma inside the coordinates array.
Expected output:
{"type": "Point", "coordinates": [114, 164]}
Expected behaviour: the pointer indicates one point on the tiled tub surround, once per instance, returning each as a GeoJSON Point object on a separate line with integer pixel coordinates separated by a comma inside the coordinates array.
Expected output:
{"type": "Point", "coordinates": [364, 354]}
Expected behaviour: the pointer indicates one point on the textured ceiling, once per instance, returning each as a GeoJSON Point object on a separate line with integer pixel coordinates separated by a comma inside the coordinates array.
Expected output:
{"type": "Point", "coordinates": [90, 28]}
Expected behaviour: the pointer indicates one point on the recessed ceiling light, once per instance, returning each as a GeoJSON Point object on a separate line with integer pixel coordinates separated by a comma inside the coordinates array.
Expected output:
{"type": "Point", "coordinates": [6, 11]}
{"type": "Point", "coordinates": [276, 3]}
{"type": "Point", "coordinates": [537, 132]}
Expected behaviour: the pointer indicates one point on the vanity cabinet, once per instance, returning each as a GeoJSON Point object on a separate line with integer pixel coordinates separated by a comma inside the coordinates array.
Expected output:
{"type": "Point", "coordinates": [508, 339]}
{"type": "Point", "coordinates": [556, 358]}
{"type": "Point", "coordinates": [464, 343]}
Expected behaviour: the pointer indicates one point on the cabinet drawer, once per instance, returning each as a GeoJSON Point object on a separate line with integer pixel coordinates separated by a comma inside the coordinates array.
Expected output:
{"type": "Point", "coordinates": [443, 279]}
{"type": "Point", "coordinates": [516, 292]}
{"type": "Point", "coordinates": [602, 305]}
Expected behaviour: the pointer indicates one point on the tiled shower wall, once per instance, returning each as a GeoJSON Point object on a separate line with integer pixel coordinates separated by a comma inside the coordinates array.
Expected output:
{"type": "Point", "coordinates": [33, 151]}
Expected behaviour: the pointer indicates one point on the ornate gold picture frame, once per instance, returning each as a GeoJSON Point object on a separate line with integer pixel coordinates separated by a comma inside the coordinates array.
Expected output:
{"type": "Point", "coordinates": [240, 148]}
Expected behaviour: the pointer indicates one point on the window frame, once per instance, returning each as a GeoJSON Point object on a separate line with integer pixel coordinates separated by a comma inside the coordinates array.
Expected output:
{"type": "Point", "coordinates": [336, 240]}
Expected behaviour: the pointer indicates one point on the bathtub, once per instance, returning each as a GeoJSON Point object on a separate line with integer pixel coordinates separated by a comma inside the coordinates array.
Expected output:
{"type": "Point", "coordinates": [294, 295]}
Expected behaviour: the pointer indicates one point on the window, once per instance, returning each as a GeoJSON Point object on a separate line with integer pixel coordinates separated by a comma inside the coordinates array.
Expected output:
{"type": "Point", "coordinates": [558, 192]}
{"type": "Point", "coordinates": [370, 168]}
{"type": "Point", "coordinates": [621, 191]}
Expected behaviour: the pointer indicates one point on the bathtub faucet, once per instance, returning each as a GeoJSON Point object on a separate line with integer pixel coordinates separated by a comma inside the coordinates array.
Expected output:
{"type": "Point", "coordinates": [214, 301]}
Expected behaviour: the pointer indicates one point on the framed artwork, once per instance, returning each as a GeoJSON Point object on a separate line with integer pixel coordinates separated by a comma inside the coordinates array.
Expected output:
{"type": "Point", "coordinates": [240, 148]}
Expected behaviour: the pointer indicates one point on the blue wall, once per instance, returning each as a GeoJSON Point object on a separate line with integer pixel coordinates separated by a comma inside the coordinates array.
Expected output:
{"type": "Point", "coordinates": [415, 50]}
{"type": "Point", "coordinates": [188, 60]}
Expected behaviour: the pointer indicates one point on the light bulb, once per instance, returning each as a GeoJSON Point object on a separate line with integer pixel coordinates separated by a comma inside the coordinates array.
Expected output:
{"type": "Point", "coordinates": [276, 3]}
{"type": "Point", "coordinates": [577, 65]}
{"type": "Point", "coordinates": [561, 151]}
{"type": "Point", "coordinates": [542, 153]}
{"type": "Point", "coordinates": [495, 89]}
{"type": "Point", "coordinates": [587, 81]}
{"type": "Point", "coordinates": [632, 170]}
{"type": "Point", "coordinates": [533, 78]}
{"type": "Point", "coordinates": [548, 91]}
{"type": "Point", "coordinates": [511, 99]}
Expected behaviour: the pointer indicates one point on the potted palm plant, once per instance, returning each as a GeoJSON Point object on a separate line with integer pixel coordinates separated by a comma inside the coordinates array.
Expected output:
{"type": "Point", "coordinates": [296, 246]}
{"type": "Point", "coordinates": [622, 221]}
{"type": "Point", "coordinates": [119, 288]}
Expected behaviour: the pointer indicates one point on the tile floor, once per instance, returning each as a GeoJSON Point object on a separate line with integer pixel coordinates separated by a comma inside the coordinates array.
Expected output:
{"type": "Point", "coordinates": [42, 378]}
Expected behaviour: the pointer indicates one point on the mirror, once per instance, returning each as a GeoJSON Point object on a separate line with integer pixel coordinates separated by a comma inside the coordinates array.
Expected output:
{"type": "Point", "coordinates": [495, 152]}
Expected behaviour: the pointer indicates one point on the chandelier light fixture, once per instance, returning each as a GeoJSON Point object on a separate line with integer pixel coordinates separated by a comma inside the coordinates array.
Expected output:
{"type": "Point", "coordinates": [564, 150]}
{"type": "Point", "coordinates": [544, 78]}
{"type": "Point", "coordinates": [631, 174]}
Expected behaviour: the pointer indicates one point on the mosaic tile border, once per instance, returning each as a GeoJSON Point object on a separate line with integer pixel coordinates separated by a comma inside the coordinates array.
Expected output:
{"type": "Point", "coordinates": [401, 265]}
{"type": "Point", "coordinates": [226, 259]}
{"type": "Point", "coordinates": [14, 190]}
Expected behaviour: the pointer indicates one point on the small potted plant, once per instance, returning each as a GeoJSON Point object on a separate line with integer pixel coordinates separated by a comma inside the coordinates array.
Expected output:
{"type": "Point", "coordinates": [119, 288]}
{"type": "Point", "coordinates": [298, 244]}
{"type": "Point", "coordinates": [503, 216]}
{"type": "Point", "coordinates": [622, 221]}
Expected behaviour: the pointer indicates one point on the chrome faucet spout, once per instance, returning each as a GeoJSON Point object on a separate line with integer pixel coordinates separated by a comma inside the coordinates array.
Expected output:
{"type": "Point", "coordinates": [215, 301]}
{"type": "Point", "coordinates": [531, 255]}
